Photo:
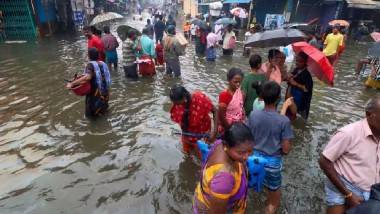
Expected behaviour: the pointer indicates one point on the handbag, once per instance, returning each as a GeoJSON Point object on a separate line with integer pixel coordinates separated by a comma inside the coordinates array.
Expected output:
{"type": "Point", "coordinates": [232, 43]}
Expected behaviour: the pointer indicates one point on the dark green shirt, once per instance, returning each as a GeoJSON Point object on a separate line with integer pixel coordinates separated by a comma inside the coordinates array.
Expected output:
{"type": "Point", "coordinates": [250, 93]}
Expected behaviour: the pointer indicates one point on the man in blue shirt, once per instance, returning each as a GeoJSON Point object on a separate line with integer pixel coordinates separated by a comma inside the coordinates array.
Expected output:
{"type": "Point", "coordinates": [272, 133]}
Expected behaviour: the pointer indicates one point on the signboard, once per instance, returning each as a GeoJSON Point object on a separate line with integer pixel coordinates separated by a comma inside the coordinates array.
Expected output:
{"type": "Point", "coordinates": [274, 21]}
{"type": "Point", "coordinates": [78, 18]}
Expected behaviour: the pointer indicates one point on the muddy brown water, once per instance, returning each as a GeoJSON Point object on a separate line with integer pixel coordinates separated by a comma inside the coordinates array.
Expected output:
{"type": "Point", "coordinates": [54, 160]}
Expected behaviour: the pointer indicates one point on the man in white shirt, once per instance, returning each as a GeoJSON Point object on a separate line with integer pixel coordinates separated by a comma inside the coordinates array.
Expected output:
{"type": "Point", "coordinates": [193, 31]}
{"type": "Point", "coordinates": [247, 35]}
{"type": "Point", "coordinates": [243, 15]}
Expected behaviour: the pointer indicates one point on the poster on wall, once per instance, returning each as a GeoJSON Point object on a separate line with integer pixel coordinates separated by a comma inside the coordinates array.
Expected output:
{"type": "Point", "coordinates": [274, 21]}
{"type": "Point", "coordinates": [78, 18]}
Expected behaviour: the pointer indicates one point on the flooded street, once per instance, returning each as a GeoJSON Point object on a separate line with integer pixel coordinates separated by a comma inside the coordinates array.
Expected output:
{"type": "Point", "coordinates": [54, 160]}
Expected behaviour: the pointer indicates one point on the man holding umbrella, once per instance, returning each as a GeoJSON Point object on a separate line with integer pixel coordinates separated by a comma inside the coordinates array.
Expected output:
{"type": "Point", "coordinates": [129, 55]}
{"type": "Point", "coordinates": [333, 44]}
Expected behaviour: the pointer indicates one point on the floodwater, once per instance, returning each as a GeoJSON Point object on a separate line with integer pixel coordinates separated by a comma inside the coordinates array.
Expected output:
{"type": "Point", "coordinates": [54, 160]}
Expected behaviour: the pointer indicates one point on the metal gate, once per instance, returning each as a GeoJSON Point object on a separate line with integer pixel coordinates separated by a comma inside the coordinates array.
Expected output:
{"type": "Point", "coordinates": [18, 20]}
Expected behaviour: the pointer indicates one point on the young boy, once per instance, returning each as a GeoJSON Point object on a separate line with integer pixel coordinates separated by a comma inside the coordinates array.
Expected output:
{"type": "Point", "coordinates": [186, 30]}
{"type": "Point", "coordinates": [272, 134]}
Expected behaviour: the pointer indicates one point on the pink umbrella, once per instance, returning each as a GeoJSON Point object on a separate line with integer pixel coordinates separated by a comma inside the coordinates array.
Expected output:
{"type": "Point", "coordinates": [340, 22]}
{"type": "Point", "coordinates": [236, 11]}
{"type": "Point", "coordinates": [317, 63]}
{"type": "Point", "coordinates": [376, 36]}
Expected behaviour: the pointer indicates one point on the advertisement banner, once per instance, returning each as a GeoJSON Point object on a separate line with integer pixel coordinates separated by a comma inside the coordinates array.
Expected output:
{"type": "Point", "coordinates": [274, 21]}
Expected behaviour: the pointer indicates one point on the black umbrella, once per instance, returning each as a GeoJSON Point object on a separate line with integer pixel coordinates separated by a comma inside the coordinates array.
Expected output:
{"type": "Point", "coordinates": [374, 50]}
{"type": "Point", "coordinates": [122, 31]}
{"type": "Point", "coordinates": [372, 206]}
{"type": "Point", "coordinates": [304, 27]}
{"type": "Point", "coordinates": [273, 38]}
{"type": "Point", "coordinates": [295, 25]}
{"type": "Point", "coordinates": [200, 23]}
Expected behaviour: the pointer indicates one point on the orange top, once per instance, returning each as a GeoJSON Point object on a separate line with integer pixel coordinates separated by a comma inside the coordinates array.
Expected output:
{"type": "Point", "coordinates": [186, 27]}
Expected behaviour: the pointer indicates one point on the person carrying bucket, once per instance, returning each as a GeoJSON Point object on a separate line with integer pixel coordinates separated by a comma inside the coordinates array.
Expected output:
{"type": "Point", "coordinates": [97, 74]}
{"type": "Point", "coordinates": [271, 133]}
{"type": "Point", "coordinates": [191, 112]}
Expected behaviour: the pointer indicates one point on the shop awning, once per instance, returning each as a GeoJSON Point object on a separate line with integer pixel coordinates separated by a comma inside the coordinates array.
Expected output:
{"type": "Point", "coordinates": [361, 4]}
{"type": "Point", "coordinates": [236, 1]}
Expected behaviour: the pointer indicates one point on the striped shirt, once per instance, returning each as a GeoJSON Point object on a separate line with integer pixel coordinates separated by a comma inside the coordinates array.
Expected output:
{"type": "Point", "coordinates": [129, 56]}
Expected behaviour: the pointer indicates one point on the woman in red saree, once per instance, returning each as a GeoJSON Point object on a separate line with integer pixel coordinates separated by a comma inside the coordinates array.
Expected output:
{"type": "Point", "coordinates": [231, 101]}
{"type": "Point", "coordinates": [191, 112]}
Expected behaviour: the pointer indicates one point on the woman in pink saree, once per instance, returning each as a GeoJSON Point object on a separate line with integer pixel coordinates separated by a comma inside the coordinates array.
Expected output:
{"type": "Point", "coordinates": [271, 69]}
{"type": "Point", "coordinates": [231, 101]}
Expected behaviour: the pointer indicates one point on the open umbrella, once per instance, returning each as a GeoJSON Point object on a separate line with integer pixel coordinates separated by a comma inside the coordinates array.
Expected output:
{"type": "Point", "coordinates": [225, 21]}
{"type": "Point", "coordinates": [304, 27]}
{"type": "Point", "coordinates": [104, 17]}
{"type": "Point", "coordinates": [200, 23]}
{"type": "Point", "coordinates": [376, 36]}
{"type": "Point", "coordinates": [295, 25]}
{"type": "Point", "coordinates": [374, 50]}
{"type": "Point", "coordinates": [340, 22]}
{"type": "Point", "coordinates": [272, 38]}
{"type": "Point", "coordinates": [122, 31]}
{"type": "Point", "coordinates": [236, 11]}
{"type": "Point", "coordinates": [318, 64]}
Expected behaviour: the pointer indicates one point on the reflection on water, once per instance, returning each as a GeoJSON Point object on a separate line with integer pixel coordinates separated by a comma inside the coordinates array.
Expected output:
{"type": "Point", "coordinates": [53, 160]}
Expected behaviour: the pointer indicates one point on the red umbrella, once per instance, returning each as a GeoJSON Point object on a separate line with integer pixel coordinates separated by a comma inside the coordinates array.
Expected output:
{"type": "Point", "coordinates": [317, 63]}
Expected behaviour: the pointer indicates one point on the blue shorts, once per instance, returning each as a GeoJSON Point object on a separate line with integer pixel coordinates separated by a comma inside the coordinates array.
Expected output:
{"type": "Point", "coordinates": [111, 56]}
{"type": "Point", "coordinates": [335, 198]}
{"type": "Point", "coordinates": [273, 168]}
{"type": "Point", "coordinates": [210, 54]}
